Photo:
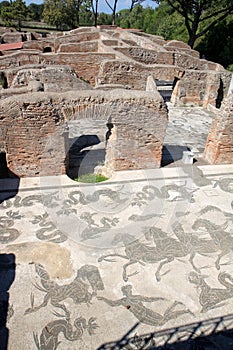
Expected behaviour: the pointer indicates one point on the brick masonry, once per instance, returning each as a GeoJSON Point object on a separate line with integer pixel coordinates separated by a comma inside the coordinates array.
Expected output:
{"type": "Point", "coordinates": [35, 139]}
{"type": "Point", "coordinates": [219, 145]}
{"type": "Point", "coordinates": [103, 58]}
{"type": "Point", "coordinates": [26, 128]}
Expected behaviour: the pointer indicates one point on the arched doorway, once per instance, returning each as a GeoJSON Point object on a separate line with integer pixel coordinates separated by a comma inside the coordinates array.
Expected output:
{"type": "Point", "coordinates": [47, 49]}
{"type": "Point", "coordinates": [87, 139]}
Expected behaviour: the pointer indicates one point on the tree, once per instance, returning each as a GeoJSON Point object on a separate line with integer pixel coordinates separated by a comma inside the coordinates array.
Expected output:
{"type": "Point", "coordinates": [94, 6]}
{"type": "Point", "coordinates": [222, 34]}
{"type": "Point", "coordinates": [171, 27]}
{"type": "Point", "coordinates": [74, 8]}
{"type": "Point", "coordinates": [139, 18]}
{"type": "Point", "coordinates": [105, 18]}
{"type": "Point", "coordinates": [68, 14]}
{"type": "Point", "coordinates": [36, 11]}
{"type": "Point", "coordinates": [4, 3]}
{"type": "Point", "coordinates": [14, 13]}
{"type": "Point", "coordinates": [55, 13]}
{"type": "Point", "coordinates": [85, 13]}
{"type": "Point", "coordinates": [113, 8]}
{"type": "Point", "coordinates": [135, 3]}
{"type": "Point", "coordinates": [200, 15]}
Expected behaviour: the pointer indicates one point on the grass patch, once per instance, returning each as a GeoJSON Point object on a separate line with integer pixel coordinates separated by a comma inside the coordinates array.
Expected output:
{"type": "Point", "coordinates": [91, 178]}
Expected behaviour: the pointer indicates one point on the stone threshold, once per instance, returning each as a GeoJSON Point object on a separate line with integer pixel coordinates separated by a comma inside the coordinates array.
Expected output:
{"type": "Point", "coordinates": [53, 182]}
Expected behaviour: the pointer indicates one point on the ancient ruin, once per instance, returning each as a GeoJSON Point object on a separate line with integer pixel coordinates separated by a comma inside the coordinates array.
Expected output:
{"type": "Point", "coordinates": [120, 77]}
{"type": "Point", "coordinates": [142, 260]}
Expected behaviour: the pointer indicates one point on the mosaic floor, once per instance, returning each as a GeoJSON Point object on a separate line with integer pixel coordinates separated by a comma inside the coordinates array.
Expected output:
{"type": "Point", "coordinates": [102, 266]}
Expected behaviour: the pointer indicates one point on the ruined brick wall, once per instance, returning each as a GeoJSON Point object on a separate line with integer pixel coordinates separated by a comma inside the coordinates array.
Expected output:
{"type": "Point", "coordinates": [39, 45]}
{"type": "Point", "coordinates": [127, 58]}
{"type": "Point", "coordinates": [180, 47]}
{"type": "Point", "coordinates": [188, 62]}
{"type": "Point", "coordinates": [110, 42]}
{"type": "Point", "coordinates": [219, 144]}
{"type": "Point", "coordinates": [53, 78]}
{"type": "Point", "coordinates": [139, 122]}
{"type": "Point", "coordinates": [133, 74]}
{"type": "Point", "coordinates": [19, 58]}
{"type": "Point", "coordinates": [88, 46]}
{"type": "Point", "coordinates": [35, 137]}
{"type": "Point", "coordinates": [201, 87]}
{"type": "Point", "coordinates": [13, 37]}
{"type": "Point", "coordinates": [137, 135]}
{"type": "Point", "coordinates": [138, 39]}
{"type": "Point", "coordinates": [25, 131]}
{"type": "Point", "coordinates": [76, 38]}
{"type": "Point", "coordinates": [156, 39]}
{"type": "Point", "coordinates": [147, 56]}
{"type": "Point", "coordinates": [86, 65]}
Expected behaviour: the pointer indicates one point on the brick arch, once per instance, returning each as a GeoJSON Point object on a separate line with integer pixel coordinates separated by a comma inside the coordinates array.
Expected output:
{"type": "Point", "coordinates": [30, 122]}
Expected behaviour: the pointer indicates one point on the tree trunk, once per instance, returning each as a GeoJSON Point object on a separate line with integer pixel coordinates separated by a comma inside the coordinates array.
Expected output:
{"type": "Point", "coordinates": [191, 41]}
{"type": "Point", "coordinates": [19, 25]}
{"type": "Point", "coordinates": [114, 12]}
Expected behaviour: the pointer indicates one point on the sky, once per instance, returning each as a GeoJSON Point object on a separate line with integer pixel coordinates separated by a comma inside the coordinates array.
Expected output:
{"type": "Point", "coordinates": [122, 4]}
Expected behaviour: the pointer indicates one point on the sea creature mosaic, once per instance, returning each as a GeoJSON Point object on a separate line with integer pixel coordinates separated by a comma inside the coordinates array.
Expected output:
{"type": "Point", "coordinates": [150, 231]}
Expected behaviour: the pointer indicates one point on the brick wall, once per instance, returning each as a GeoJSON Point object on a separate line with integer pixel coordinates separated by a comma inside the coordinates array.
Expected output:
{"type": "Point", "coordinates": [86, 65]}
{"type": "Point", "coordinates": [133, 74]}
{"type": "Point", "coordinates": [201, 87]}
{"type": "Point", "coordinates": [186, 61]}
{"type": "Point", "coordinates": [53, 78]}
{"type": "Point", "coordinates": [39, 44]}
{"type": "Point", "coordinates": [146, 56]}
{"type": "Point", "coordinates": [88, 46]}
{"type": "Point", "coordinates": [76, 38]}
{"type": "Point", "coordinates": [35, 139]}
{"type": "Point", "coordinates": [219, 144]}
{"type": "Point", "coordinates": [137, 135]}
{"type": "Point", "coordinates": [26, 128]}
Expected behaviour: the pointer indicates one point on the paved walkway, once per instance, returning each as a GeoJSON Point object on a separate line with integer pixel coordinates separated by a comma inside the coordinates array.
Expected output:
{"type": "Point", "coordinates": [143, 252]}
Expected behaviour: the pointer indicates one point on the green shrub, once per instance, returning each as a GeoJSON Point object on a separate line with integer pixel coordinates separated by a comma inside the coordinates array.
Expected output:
{"type": "Point", "coordinates": [230, 67]}
{"type": "Point", "coordinates": [91, 178]}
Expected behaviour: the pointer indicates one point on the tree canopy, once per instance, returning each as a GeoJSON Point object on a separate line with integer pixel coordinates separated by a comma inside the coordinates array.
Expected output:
{"type": "Point", "coordinates": [66, 14]}
{"type": "Point", "coordinates": [14, 13]}
{"type": "Point", "coordinates": [200, 15]}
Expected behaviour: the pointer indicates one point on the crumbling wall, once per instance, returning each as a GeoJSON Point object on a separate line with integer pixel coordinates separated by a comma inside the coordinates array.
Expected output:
{"type": "Point", "coordinates": [201, 88]}
{"type": "Point", "coordinates": [35, 135]}
{"type": "Point", "coordinates": [146, 56]}
{"type": "Point", "coordinates": [39, 45]}
{"type": "Point", "coordinates": [133, 75]}
{"type": "Point", "coordinates": [19, 58]}
{"type": "Point", "coordinates": [26, 128]}
{"type": "Point", "coordinates": [86, 65]}
{"type": "Point", "coordinates": [180, 47]}
{"type": "Point", "coordinates": [137, 134]}
{"type": "Point", "coordinates": [219, 144]}
{"type": "Point", "coordinates": [76, 38]}
{"type": "Point", "coordinates": [13, 37]}
{"type": "Point", "coordinates": [189, 62]}
{"type": "Point", "coordinates": [86, 46]}
{"type": "Point", "coordinates": [53, 78]}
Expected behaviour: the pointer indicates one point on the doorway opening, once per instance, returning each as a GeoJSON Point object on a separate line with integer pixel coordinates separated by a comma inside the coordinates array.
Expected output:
{"type": "Point", "coordinates": [4, 173]}
{"type": "Point", "coordinates": [86, 147]}
{"type": "Point", "coordinates": [47, 49]}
